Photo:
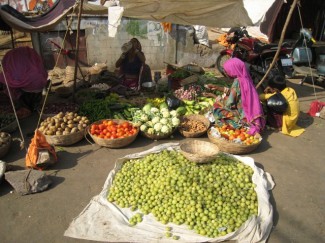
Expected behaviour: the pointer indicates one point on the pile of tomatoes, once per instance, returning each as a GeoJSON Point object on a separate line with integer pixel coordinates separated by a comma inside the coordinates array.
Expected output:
{"type": "Point", "coordinates": [109, 129]}
{"type": "Point", "coordinates": [239, 134]}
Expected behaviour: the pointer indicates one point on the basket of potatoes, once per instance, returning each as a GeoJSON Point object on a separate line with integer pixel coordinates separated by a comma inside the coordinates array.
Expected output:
{"type": "Point", "coordinates": [64, 128]}
{"type": "Point", "coordinates": [5, 142]}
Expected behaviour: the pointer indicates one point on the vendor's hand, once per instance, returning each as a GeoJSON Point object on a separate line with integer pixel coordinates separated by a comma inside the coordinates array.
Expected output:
{"type": "Point", "coordinates": [210, 95]}
{"type": "Point", "coordinates": [268, 90]}
{"type": "Point", "coordinates": [210, 86]}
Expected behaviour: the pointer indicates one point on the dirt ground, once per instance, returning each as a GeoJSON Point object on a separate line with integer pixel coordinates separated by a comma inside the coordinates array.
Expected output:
{"type": "Point", "coordinates": [296, 165]}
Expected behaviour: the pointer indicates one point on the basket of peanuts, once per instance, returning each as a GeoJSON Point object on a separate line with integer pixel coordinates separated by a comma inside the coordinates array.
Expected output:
{"type": "Point", "coordinates": [193, 126]}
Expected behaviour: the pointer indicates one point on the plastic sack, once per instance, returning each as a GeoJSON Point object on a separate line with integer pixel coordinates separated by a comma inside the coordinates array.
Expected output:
{"type": "Point", "coordinates": [316, 107]}
{"type": "Point", "coordinates": [201, 35]}
{"type": "Point", "coordinates": [103, 221]}
{"type": "Point", "coordinates": [277, 103]}
{"type": "Point", "coordinates": [40, 153]}
{"type": "Point", "coordinates": [172, 102]}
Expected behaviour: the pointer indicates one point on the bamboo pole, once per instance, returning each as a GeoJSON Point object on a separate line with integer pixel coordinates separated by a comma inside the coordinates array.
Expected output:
{"type": "Point", "coordinates": [280, 42]}
{"type": "Point", "coordinates": [77, 50]}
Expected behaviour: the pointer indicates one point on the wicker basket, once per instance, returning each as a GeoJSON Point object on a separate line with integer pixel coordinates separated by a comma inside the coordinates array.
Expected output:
{"type": "Point", "coordinates": [116, 142]}
{"type": "Point", "coordinates": [195, 117]}
{"type": "Point", "coordinates": [4, 149]}
{"type": "Point", "coordinates": [65, 140]}
{"type": "Point", "coordinates": [64, 92]}
{"type": "Point", "coordinates": [157, 137]}
{"type": "Point", "coordinates": [232, 148]}
{"type": "Point", "coordinates": [10, 127]}
{"type": "Point", "coordinates": [199, 151]}
{"type": "Point", "coordinates": [189, 80]}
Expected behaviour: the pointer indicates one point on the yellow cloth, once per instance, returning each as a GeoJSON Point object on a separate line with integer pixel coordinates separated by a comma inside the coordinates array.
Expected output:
{"type": "Point", "coordinates": [290, 116]}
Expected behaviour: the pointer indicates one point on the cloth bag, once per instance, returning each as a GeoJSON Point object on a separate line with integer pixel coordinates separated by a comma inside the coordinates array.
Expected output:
{"type": "Point", "coordinates": [277, 103]}
{"type": "Point", "coordinates": [40, 153]}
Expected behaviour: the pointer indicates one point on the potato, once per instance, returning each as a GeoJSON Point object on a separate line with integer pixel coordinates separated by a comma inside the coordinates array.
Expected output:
{"type": "Point", "coordinates": [58, 133]}
{"type": "Point", "coordinates": [49, 132]}
{"type": "Point", "coordinates": [74, 130]}
{"type": "Point", "coordinates": [65, 133]}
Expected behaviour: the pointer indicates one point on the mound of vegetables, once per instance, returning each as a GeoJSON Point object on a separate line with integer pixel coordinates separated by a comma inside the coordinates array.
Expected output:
{"type": "Point", "coordinates": [190, 92]}
{"type": "Point", "coordinates": [5, 139]}
{"type": "Point", "coordinates": [212, 199]}
{"type": "Point", "coordinates": [157, 121]}
{"type": "Point", "coordinates": [198, 106]}
{"type": "Point", "coordinates": [64, 124]}
{"type": "Point", "coordinates": [55, 108]}
{"type": "Point", "coordinates": [6, 120]}
{"type": "Point", "coordinates": [238, 135]}
{"type": "Point", "coordinates": [109, 129]}
{"type": "Point", "coordinates": [188, 125]}
{"type": "Point", "coordinates": [98, 109]}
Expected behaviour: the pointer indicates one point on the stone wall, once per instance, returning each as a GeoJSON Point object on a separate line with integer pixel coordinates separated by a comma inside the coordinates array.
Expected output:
{"type": "Point", "coordinates": [159, 47]}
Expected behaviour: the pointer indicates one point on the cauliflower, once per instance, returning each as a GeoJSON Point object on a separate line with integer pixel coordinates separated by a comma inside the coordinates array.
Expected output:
{"type": "Point", "coordinates": [165, 129]}
{"type": "Point", "coordinates": [154, 110]}
{"type": "Point", "coordinates": [151, 130]}
{"type": "Point", "coordinates": [143, 127]}
{"type": "Point", "coordinates": [173, 113]}
{"type": "Point", "coordinates": [155, 120]}
{"type": "Point", "coordinates": [166, 114]}
{"type": "Point", "coordinates": [157, 127]}
{"type": "Point", "coordinates": [164, 121]}
{"type": "Point", "coordinates": [162, 110]}
{"type": "Point", "coordinates": [149, 124]}
{"type": "Point", "coordinates": [175, 121]}
{"type": "Point", "coordinates": [144, 118]}
{"type": "Point", "coordinates": [137, 123]}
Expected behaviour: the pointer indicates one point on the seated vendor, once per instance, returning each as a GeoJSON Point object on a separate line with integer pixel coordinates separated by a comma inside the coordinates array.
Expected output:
{"type": "Point", "coordinates": [133, 70]}
{"type": "Point", "coordinates": [25, 76]}
{"type": "Point", "coordinates": [241, 105]}
{"type": "Point", "coordinates": [284, 121]}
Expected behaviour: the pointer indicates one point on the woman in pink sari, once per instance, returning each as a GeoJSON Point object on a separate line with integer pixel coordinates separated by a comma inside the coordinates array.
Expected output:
{"type": "Point", "coordinates": [242, 104]}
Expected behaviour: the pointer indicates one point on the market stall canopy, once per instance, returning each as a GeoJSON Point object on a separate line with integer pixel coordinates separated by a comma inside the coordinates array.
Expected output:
{"type": "Point", "coordinates": [212, 13]}
{"type": "Point", "coordinates": [312, 16]}
{"type": "Point", "coordinates": [11, 18]}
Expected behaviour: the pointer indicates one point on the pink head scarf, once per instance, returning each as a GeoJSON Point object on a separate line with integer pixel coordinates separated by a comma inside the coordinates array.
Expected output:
{"type": "Point", "coordinates": [235, 68]}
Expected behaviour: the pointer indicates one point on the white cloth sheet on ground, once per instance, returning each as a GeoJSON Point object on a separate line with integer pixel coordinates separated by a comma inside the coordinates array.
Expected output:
{"type": "Point", "coordinates": [103, 221]}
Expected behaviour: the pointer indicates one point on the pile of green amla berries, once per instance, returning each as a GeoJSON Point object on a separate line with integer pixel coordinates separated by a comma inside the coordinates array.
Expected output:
{"type": "Point", "coordinates": [212, 199]}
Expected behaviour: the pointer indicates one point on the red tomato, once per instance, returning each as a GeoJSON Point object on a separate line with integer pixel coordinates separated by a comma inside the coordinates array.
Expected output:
{"type": "Point", "coordinates": [126, 124]}
{"type": "Point", "coordinates": [237, 132]}
{"type": "Point", "coordinates": [242, 137]}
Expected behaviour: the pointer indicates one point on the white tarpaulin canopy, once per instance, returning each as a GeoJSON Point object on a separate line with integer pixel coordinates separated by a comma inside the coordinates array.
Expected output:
{"type": "Point", "coordinates": [213, 13]}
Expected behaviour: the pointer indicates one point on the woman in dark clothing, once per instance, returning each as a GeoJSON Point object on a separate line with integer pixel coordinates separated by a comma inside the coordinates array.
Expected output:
{"type": "Point", "coordinates": [132, 65]}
